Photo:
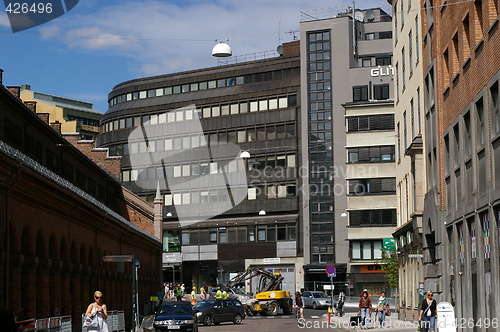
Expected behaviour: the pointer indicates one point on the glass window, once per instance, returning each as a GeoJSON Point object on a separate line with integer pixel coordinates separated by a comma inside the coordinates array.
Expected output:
{"type": "Point", "coordinates": [176, 89]}
{"type": "Point", "coordinates": [177, 171]}
{"type": "Point", "coordinates": [129, 96]}
{"type": "Point", "coordinates": [356, 250]}
{"type": "Point", "coordinates": [168, 199]}
{"type": "Point", "coordinates": [261, 233]}
{"type": "Point", "coordinates": [162, 118]}
{"type": "Point", "coordinates": [179, 115]}
{"type": "Point", "coordinates": [367, 62]}
{"type": "Point", "coordinates": [186, 170]}
{"type": "Point", "coordinates": [195, 141]}
{"type": "Point", "coordinates": [271, 133]}
{"type": "Point", "coordinates": [242, 135]}
{"type": "Point", "coordinates": [186, 198]}
{"type": "Point", "coordinates": [281, 191]}
{"type": "Point", "coordinates": [254, 106]}
{"type": "Point", "coordinates": [261, 134]}
{"type": "Point", "coordinates": [171, 116]}
{"type": "Point", "coordinates": [283, 102]}
{"type": "Point", "coordinates": [177, 199]}
{"type": "Point", "coordinates": [243, 107]}
{"type": "Point", "coordinates": [271, 192]}
{"type": "Point", "coordinates": [273, 104]}
{"type": "Point", "coordinates": [142, 94]}
{"type": "Point", "coordinates": [290, 160]}
{"type": "Point", "coordinates": [216, 111]}
{"type": "Point", "coordinates": [225, 109]}
{"type": "Point", "coordinates": [263, 105]}
{"type": "Point", "coordinates": [212, 84]}
{"type": "Point", "coordinates": [367, 250]}
{"type": "Point", "coordinates": [252, 193]}
{"type": "Point", "coordinates": [251, 234]}
{"type": "Point", "coordinates": [377, 250]}
{"type": "Point", "coordinates": [206, 112]}
{"type": "Point", "coordinates": [271, 233]}
{"type": "Point", "coordinates": [234, 108]}
{"type": "Point", "coordinates": [168, 91]}
{"type": "Point", "coordinates": [230, 81]}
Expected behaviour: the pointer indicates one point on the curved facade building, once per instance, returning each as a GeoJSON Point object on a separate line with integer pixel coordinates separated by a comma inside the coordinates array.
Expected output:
{"type": "Point", "coordinates": [185, 132]}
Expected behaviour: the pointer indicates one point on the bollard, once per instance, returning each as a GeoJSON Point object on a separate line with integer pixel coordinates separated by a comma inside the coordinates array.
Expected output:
{"type": "Point", "coordinates": [329, 314]}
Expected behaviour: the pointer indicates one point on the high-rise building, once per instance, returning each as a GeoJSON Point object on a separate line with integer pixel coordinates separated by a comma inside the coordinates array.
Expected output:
{"type": "Point", "coordinates": [184, 132]}
{"type": "Point", "coordinates": [461, 219]}
{"type": "Point", "coordinates": [344, 60]}
{"type": "Point", "coordinates": [410, 152]}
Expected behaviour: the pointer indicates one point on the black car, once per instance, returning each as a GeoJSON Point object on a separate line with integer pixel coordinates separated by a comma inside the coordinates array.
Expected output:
{"type": "Point", "coordinates": [211, 312]}
{"type": "Point", "coordinates": [175, 316]}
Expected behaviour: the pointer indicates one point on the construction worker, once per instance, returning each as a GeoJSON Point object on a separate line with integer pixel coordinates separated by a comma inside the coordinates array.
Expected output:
{"type": "Point", "coordinates": [225, 295]}
{"type": "Point", "coordinates": [193, 296]}
{"type": "Point", "coordinates": [218, 295]}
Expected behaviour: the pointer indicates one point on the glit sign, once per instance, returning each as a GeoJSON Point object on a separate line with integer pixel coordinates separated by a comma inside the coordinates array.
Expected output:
{"type": "Point", "coordinates": [379, 71]}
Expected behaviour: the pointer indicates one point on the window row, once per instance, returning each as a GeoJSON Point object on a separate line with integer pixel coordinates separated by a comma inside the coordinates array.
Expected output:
{"type": "Point", "coordinates": [186, 114]}
{"type": "Point", "coordinates": [371, 154]}
{"type": "Point", "coordinates": [212, 84]}
{"type": "Point", "coordinates": [271, 191]}
{"type": "Point", "coordinates": [370, 122]}
{"type": "Point", "coordinates": [204, 168]}
{"type": "Point", "coordinates": [240, 234]}
{"type": "Point", "coordinates": [378, 35]}
{"type": "Point", "coordinates": [366, 250]}
{"type": "Point", "coordinates": [361, 92]}
{"type": "Point", "coordinates": [248, 135]}
{"type": "Point", "coordinates": [372, 186]}
{"type": "Point", "coordinates": [372, 217]}
{"type": "Point", "coordinates": [376, 61]}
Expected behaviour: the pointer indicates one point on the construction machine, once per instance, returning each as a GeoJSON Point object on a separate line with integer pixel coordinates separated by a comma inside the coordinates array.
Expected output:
{"type": "Point", "coordinates": [269, 298]}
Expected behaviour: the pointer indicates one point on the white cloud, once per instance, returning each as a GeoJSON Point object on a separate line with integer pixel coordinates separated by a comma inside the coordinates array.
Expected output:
{"type": "Point", "coordinates": [161, 37]}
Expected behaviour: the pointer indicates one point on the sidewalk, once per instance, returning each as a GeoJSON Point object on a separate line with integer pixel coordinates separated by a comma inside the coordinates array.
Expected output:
{"type": "Point", "coordinates": [392, 323]}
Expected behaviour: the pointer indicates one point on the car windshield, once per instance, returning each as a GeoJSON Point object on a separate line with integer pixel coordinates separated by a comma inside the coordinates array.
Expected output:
{"type": "Point", "coordinates": [204, 305]}
{"type": "Point", "coordinates": [238, 291]}
{"type": "Point", "coordinates": [320, 295]}
{"type": "Point", "coordinates": [176, 309]}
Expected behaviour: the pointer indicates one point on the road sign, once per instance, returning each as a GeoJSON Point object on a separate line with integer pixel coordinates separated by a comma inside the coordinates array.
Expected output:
{"type": "Point", "coordinates": [415, 256]}
{"type": "Point", "coordinates": [153, 298]}
{"type": "Point", "coordinates": [330, 270]}
{"type": "Point", "coordinates": [389, 244]}
{"type": "Point", "coordinates": [118, 259]}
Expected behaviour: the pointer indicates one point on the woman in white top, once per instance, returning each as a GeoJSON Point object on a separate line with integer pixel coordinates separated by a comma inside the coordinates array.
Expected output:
{"type": "Point", "coordinates": [102, 313]}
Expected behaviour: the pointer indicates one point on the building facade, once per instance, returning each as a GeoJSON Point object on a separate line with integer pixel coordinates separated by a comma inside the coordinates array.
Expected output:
{"type": "Point", "coordinates": [343, 60]}
{"type": "Point", "coordinates": [461, 221]}
{"type": "Point", "coordinates": [75, 116]}
{"type": "Point", "coordinates": [371, 201]}
{"type": "Point", "coordinates": [59, 215]}
{"type": "Point", "coordinates": [185, 131]}
{"type": "Point", "coordinates": [410, 164]}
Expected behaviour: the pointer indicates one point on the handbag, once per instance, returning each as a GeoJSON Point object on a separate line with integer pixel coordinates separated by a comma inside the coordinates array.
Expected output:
{"type": "Point", "coordinates": [90, 321]}
{"type": "Point", "coordinates": [387, 310]}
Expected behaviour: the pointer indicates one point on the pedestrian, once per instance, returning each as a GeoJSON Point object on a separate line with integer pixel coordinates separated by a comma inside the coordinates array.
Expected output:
{"type": "Point", "coordinates": [183, 288]}
{"type": "Point", "coordinates": [365, 309]}
{"type": "Point", "coordinates": [203, 293]}
{"type": "Point", "coordinates": [428, 313]}
{"type": "Point", "coordinates": [193, 296]}
{"type": "Point", "coordinates": [299, 305]}
{"type": "Point", "coordinates": [167, 290]}
{"type": "Point", "coordinates": [225, 294]}
{"type": "Point", "coordinates": [178, 293]}
{"type": "Point", "coordinates": [381, 306]}
{"type": "Point", "coordinates": [340, 304]}
{"type": "Point", "coordinates": [100, 309]}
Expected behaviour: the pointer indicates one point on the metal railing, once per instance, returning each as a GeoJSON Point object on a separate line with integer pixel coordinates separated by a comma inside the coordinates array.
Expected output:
{"type": "Point", "coordinates": [51, 324]}
{"type": "Point", "coordinates": [115, 321]}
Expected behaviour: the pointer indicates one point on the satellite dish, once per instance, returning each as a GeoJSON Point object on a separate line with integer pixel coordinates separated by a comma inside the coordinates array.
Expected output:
{"type": "Point", "coordinates": [358, 16]}
{"type": "Point", "coordinates": [370, 15]}
{"type": "Point", "coordinates": [222, 50]}
{"type": "Point", "coordinates": [279, 49]}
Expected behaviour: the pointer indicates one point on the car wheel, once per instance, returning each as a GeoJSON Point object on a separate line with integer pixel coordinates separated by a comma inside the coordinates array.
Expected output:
{"type": "Point", "coordinates": [315, 306]}
{"type": "Point", "coordinates": [208, 320]}
{"type": "Point", "coordinates": [237, 319]}
{"type": "Point", "coordinates": [273, 308]}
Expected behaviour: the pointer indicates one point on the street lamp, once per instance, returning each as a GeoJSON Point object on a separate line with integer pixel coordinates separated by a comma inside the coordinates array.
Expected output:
{"type": "Point", "coordinates": [262, 213]}
{"type": "Point", "coordinates": [244, 154]}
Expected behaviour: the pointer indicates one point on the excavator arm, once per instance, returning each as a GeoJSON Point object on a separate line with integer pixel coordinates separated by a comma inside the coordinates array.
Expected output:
{"type": "Point", "coordinates": [268, 280]}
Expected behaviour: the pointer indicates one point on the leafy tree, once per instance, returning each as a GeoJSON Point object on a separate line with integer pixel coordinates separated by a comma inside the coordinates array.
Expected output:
{"type": "Point", "coordinates": [391, 265]}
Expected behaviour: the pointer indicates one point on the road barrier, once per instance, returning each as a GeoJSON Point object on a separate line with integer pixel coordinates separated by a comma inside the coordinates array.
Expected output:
{"type": "Point", "coordinates": [52, 324]}
{"type": "Point", "coordinates": [115, 320]}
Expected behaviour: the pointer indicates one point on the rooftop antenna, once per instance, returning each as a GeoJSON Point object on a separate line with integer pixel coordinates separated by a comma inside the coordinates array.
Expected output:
{"type": "Point", "coordinates": [292, 32]}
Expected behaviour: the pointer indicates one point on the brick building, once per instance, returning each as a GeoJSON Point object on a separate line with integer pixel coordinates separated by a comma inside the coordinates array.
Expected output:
{"type": "Point", "coordinates": [60, 214]}
{"type": "Point", "coordinates": [461, 221]}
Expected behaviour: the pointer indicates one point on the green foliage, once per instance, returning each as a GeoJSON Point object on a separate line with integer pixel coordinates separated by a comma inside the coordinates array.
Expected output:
{"type": "Point", "coordinates": [391, 265]}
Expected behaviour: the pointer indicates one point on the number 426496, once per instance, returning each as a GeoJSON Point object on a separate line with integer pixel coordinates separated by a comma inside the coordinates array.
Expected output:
{"type": "Point", "coordinates": [25, 8]}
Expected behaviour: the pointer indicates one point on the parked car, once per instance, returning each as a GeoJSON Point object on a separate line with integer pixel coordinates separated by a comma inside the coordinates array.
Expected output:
{"type": "Point", "coordinates": [175, 316]}
{"type": "Point", "coordinates": [315, 300]}
{"type": "Point", "coordinates": [217, 311]}
{"type": "Point", "coordinates": [234, 294]}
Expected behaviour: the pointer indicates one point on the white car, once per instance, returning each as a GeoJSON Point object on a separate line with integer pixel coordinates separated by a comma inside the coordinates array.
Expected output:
{"type": "Point", "coordinates": [315, 300]}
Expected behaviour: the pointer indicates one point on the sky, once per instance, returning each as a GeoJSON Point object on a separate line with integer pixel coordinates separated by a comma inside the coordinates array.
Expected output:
{"type": "Point", "coordinates": [84, 53]}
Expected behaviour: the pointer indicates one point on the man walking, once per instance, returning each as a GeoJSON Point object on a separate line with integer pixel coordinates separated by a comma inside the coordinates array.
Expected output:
{"type": "Point", "coordinates": [178, 293]}
{"type": "Point", "coordinates": [340, 304]}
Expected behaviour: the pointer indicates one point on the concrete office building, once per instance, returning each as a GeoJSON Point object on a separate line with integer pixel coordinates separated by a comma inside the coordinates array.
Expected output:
{"type": "Point", "coordinates": [461, 221]}
{"type": "Point", "coordinates": [252, 106]}
{"type": "Point", "coordinates": [74, 116]}
{"type": "Point", "coordinates": [410, 165]}
{"type": "Point", "coordinates": [339, 66]}
{"type": "Point", "coordinates": [371, 200]}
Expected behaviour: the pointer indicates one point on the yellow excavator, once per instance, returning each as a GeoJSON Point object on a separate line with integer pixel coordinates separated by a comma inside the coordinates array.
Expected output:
{"type": "Point", "coordinates": [269, 298]}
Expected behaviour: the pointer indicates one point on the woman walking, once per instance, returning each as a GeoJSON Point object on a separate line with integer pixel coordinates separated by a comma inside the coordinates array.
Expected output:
{"type": "Point", "coordinates": [100, 309]}
{"type": "Point", "coordinates": [381, 306]}
{"type": "Point", "coordinates": [428, 313]}
{"type": "Point", "coordinates": [365, 309]}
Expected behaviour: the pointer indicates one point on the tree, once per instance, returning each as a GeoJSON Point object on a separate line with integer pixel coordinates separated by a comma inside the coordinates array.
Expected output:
{"type": "Point", "coordinates": [391, 265]}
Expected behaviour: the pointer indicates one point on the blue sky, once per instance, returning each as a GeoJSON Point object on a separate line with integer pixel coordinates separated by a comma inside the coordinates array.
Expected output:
{"type": "Point", "coordinates": [101, 43]}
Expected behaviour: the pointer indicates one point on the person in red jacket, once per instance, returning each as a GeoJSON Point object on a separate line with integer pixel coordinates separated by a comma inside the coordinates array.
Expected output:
{"type": "Point", "coordinates": [365, 309]}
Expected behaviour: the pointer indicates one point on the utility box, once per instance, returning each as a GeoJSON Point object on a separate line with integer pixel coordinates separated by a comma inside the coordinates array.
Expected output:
{"type": "Point", "coordinates": [446, 318]}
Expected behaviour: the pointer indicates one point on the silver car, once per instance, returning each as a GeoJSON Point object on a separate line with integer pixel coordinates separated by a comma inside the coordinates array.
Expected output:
{"type": "Point", "coordinates": [316, 300]}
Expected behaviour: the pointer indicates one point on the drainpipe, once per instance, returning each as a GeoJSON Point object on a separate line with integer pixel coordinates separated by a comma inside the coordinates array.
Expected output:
{"type": "Point", "coordinates": [7, 231]}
